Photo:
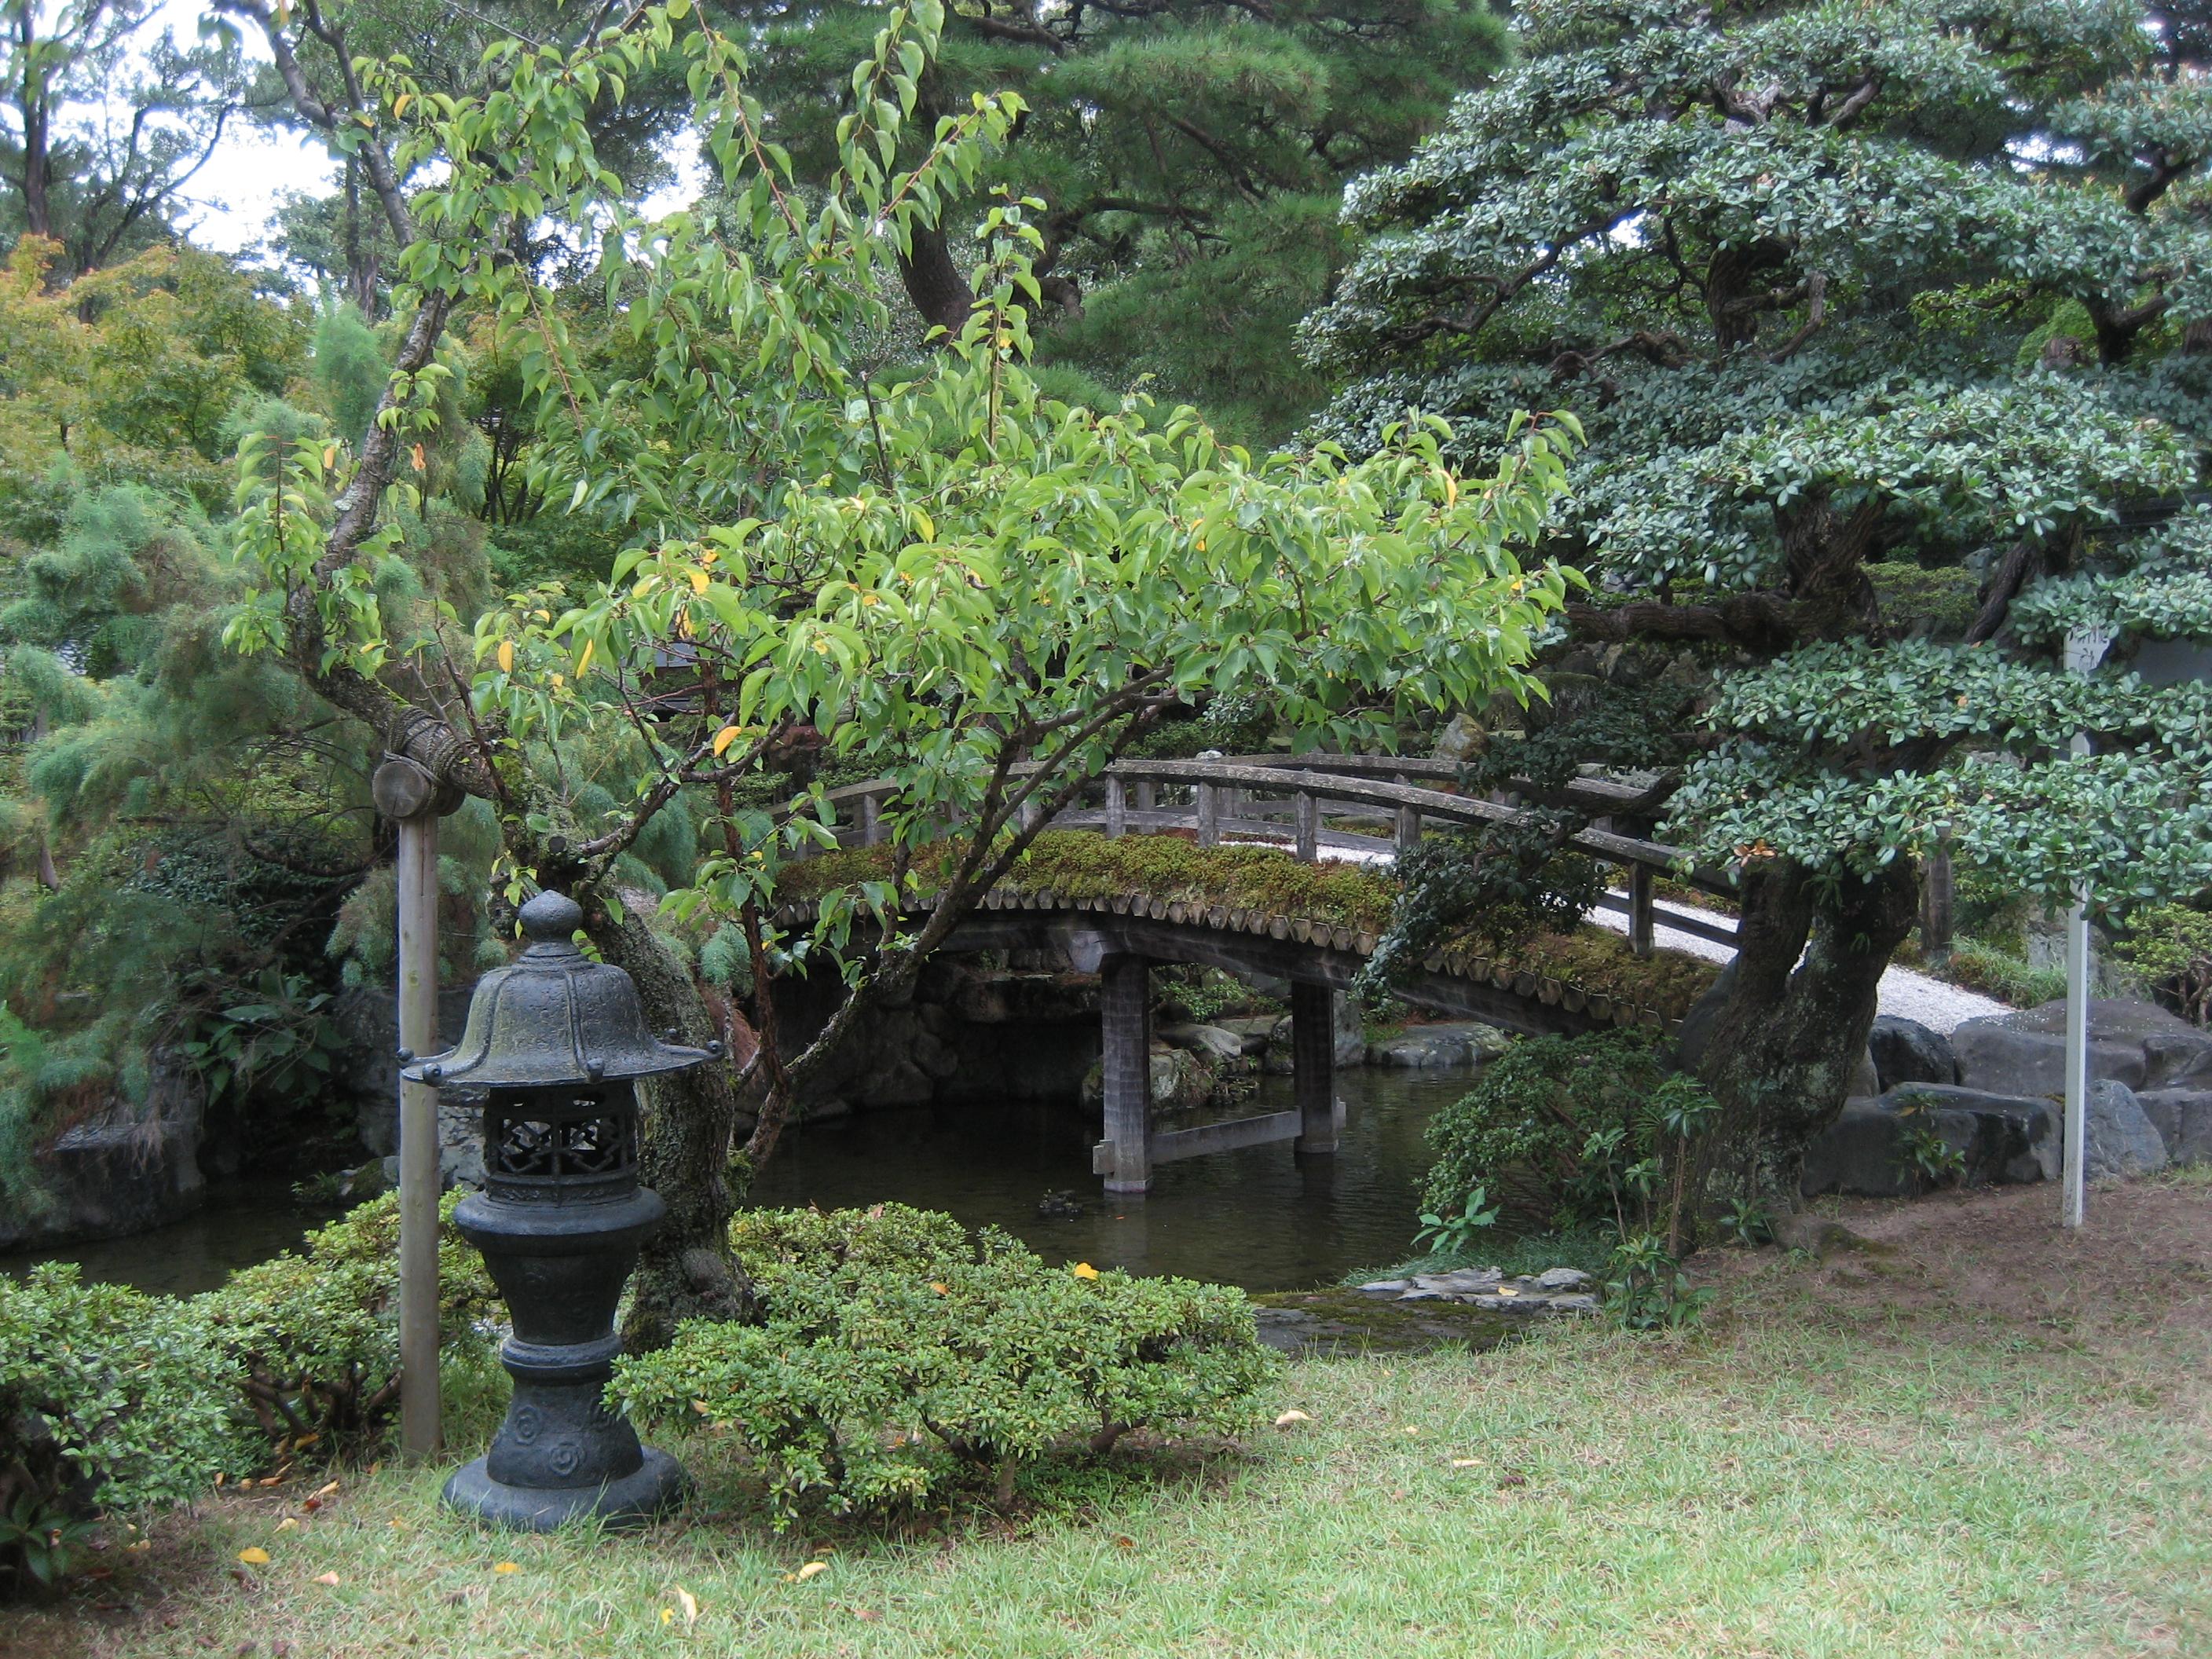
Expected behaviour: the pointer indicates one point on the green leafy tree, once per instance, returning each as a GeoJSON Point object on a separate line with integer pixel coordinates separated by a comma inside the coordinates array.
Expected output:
{"type": "Point", "coordinates": [1830, 285]}
{"type": "Point", "coordinates": [1188, 155]}
{"type": "Point", "coordinates": [949, 580]}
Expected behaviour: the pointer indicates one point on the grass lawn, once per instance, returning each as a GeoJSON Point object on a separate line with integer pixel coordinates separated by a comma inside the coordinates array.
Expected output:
{"type": "Point", "coordinates": [1887, 1455]}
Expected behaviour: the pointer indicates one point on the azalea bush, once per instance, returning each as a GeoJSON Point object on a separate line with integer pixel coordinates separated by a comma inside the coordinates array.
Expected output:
{"type": "Point", "coordinates": [895, 1359]}
{"type": "Point", "coordinates": [109, 1400]}
{"type": "Point", "coordinates": [311, 1338]}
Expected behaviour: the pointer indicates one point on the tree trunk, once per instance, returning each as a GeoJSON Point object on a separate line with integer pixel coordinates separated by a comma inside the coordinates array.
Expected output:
{"type": "Point", "coordinates": [685, 1270]}
{"type": "Point", "coordinates": [1783, 1047]}
{"type": "Point", "coordinates": [38, 209]}
{"type": "Point", "coordinates": [934, 281]}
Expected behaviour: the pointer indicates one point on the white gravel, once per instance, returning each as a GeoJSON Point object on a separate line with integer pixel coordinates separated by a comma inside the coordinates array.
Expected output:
{"type": "Point", "coordinates": [1938, 1005]}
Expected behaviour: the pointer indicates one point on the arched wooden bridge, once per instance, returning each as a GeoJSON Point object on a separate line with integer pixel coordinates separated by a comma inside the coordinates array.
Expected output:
{"type": "Point", "coordinates": [1317, 805]}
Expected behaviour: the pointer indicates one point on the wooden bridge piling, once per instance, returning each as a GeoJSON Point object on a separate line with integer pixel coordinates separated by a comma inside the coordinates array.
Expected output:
{"type": "Point", "coordinates": [1124, 1157]}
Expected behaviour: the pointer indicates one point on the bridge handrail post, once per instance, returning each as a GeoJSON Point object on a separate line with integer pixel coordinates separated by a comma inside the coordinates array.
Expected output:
{"type": "Point", "coordinates": [1117, 808]}
{"type": "Point", "coordinates": [1209, 815]}
{"type": "Point", "coordinates": [872, 821]}
{"type": "Point", "coordinates": [1308, 826]}
{"type": "Point", "coordinates": [1641, 884]}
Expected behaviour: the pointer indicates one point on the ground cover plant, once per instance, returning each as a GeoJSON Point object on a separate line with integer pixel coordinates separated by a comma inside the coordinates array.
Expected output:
{"type": "Point", "coordinates": [1962, 1444]}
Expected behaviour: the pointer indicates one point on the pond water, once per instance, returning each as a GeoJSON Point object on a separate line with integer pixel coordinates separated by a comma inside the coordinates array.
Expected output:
{"type": "Point", "coordinates": [1256, 1217]}
{"type": "Point", "coordinates": [243, 1223]}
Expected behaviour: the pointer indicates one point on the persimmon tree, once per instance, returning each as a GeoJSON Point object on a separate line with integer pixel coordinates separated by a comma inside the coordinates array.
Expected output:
{"type": "Point", "coordinates": [1841, 289]}
{"type": "Point", "coordinates": [937, 579]}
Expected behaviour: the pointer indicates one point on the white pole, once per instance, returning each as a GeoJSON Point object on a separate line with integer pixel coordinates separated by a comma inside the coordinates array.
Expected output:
{"type": "Point", "coordinates": [2085, 649]}
{"type": "Point", "coordinates": [407, 793]}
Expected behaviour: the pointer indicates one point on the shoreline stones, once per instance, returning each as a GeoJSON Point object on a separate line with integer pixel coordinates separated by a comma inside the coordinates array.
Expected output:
{"type": "Point", "coordinates": [1554, 1291]}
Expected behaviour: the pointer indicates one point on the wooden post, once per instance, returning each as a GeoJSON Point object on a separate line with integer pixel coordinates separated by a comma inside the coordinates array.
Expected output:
{"type": "Point", "coordinates": [1938, 896]}
{"type": "Point", "coordinates": [1409, 823]}
{"type": "Point", "coordinates": [1313, 1066]}
{"type": "Point", "coordinates": [1209, 815]}
{"type": "Point", "coordinates": [411, 795]}
{"type": "Point", "coordinates": [1117, 809]}
{"type": "Point", "coordinates": [1308, 826]}
{"type": "Point", "coordinates": [1639, 910]}
{"type": "Point", "coordinates": [871, 822]}
{"type": "Point", "coordinates": [1125, 1010]}
{"type": "Point", "coordinates": [1148, 797]}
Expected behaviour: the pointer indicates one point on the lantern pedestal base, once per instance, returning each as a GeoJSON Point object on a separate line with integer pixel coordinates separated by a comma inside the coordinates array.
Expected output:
{"type": "Point", "coordinates": [636, 1498]}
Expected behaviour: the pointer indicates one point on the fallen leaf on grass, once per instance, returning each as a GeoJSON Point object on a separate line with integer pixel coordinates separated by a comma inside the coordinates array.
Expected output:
{"type": "Point", "coordinates": [1505, 1480]}
{"type": "Point", "coordinates": [689, 1603]}
{"type": "Point", "coordinates": [505, 1566]}
{"type": "Point", "coordinates": [287, 1523]}
{"type": "Point", "coordinates": [326, 1578]}
{"type": "Point", "coordinates": [254, 1557]}
{"type": "Point", "coordinates": [1466, 1462]}
{"type": "Point", "coordinates": [320, 1492]}
{"type": "Point", "coordinates": [1293, 1415]}
{"type": "Point", "coordinates": [812, 1569]}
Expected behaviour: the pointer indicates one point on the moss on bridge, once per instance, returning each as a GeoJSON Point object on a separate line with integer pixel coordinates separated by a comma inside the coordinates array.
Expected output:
{"type": "Point", "coordinates": [1075, 864]}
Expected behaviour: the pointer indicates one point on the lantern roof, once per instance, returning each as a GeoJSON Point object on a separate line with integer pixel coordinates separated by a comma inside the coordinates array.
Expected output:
{"type": "Point", "coordinates": [553, 1016]}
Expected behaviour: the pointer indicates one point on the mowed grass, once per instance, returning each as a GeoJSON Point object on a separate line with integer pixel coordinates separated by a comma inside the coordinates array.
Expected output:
{"type": "Point", "coordinates": [1799, 1479]}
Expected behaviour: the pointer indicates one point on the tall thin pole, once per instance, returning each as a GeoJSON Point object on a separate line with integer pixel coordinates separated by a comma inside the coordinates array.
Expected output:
{"type": "Point", "coordinates": [2085, 649]}
{"type": "Point", "coordinates": [409, 794]}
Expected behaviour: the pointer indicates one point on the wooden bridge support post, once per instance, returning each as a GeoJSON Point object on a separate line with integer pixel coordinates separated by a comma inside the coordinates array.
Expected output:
{"type": "Point", "coordinates": [1117, 809]}
{"type": "Point", "coordinates": [871, 822]}
{"type": "Point", "coordinates": [1938, 894]}
{"type": "Point", "coordinates": [1209, 815]}
{"type": "Point", "coordinates": [1125, 1008]}
{"type": "Point", "coordinates": [1308, 826]}
{"type": "Point", "coordinates": [1409, 824]}
{"type": "Point", "coordinates": [1313, 1064]}
{"type": "Point", "coordinates": [1639, 910]}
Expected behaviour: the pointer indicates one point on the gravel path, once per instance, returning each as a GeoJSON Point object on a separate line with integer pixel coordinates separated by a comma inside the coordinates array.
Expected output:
{"type": "Point", "coordinates": [1934, 1004]}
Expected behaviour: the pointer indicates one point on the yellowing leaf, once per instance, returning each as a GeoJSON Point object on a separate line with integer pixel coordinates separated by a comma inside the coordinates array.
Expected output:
{"type": "Point", "coordinates": [1293, 1415]}
{"type": "Point", "coordinates": [689, 1603]}
{"type": "Point", "coordinates": [326, 1578]}
{"type": "Point", "coordinates": [925, 524]}
{"type": "Point", "coordinates": [287, 1523]}
{"type": "Point", "coordinates": [329, 456]}
{"type": "Point", "coordinates": [506, 656]}
{"type": "Point", "coordinates": [812, 1570]}
{"type": "Point", "coordinates": [942, 1289]}
{"type": "Point", "coordinates": [399, 104]}
{"type": "Point", "coordinates": [1466, 1462]}
{"type": "Point", "coordinates": [725, 737]}
{"type": "Point", "coordinates": [585, 661]}
{"type": "Point", "coordinates": [254, 1556]}
{"type": "Point", "coordinates": [698, 579]}
{"type": "Point", "coordinates": [421, 462]}
{"type": "Point", "coordinates": [700, 1406]}
{"type": "Point", "coordinates": [505, 1566]}
{"type": "Point", "coordinates": [1084, 1270]}
{"type": "Point", "coordinates": [668, 1615]}
{"type": "Point", "coordinates": [325, 1492]}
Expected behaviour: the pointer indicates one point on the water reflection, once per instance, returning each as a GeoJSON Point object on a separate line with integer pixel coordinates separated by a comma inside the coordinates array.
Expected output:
{"type": "Point", "coordinates": [1258, 1217]}
{"type": "Point", "coordinates": [242, 1224]}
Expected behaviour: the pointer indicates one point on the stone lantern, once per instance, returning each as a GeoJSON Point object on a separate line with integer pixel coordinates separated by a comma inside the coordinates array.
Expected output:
{"type": "Point", "coordinates": [556, 1043]}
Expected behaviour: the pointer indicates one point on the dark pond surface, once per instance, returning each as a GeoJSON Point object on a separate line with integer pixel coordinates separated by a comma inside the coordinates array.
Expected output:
{"type": "Point", "coordinates": [243, 1223]}
{"type": "Point", "coordinates": [1255, 1217]}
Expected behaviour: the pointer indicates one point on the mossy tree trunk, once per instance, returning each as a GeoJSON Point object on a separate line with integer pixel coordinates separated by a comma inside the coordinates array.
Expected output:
{"type": "Point", "coordinates": [1788, 1038]}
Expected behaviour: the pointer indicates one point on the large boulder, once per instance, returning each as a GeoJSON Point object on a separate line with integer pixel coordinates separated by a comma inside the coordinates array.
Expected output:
{"type": "Point", "coordinates": [2002, 1140]}
{"type": "Point", "coordinates": [122, 1169]}
{"type": "Point", "coordinates": [1209, 1043]}
{"type": "Point", "coordinates": [1439, 1047]}
{"type": "Point", "coordinates": [2137, 1043]}
{"type": "Point", "coordinates": [2183, 1118]}
{"type": "Point", "coordinates": [1906, 1051]}
{"type": "Point", "coordinates": [2123, 1140]}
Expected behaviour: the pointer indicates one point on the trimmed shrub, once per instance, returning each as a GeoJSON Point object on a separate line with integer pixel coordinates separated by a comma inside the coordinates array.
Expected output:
{"type": "Point", "coordinates": [314, 1336]}
{"type": "Point", "coordinates": [1523, 1131]}
{"type": "Point", "coordinates": [110, 1399]}
{"type": "Point", "coordinates": [894, 1358]}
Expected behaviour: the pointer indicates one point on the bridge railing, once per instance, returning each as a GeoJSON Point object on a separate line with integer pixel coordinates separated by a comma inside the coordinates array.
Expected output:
{"type": "Point", "coordinates": [1274, 797]}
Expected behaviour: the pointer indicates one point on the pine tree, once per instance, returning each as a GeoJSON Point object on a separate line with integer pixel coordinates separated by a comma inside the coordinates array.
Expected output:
{"type": "Point", "coordinates": [1843, 293]}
